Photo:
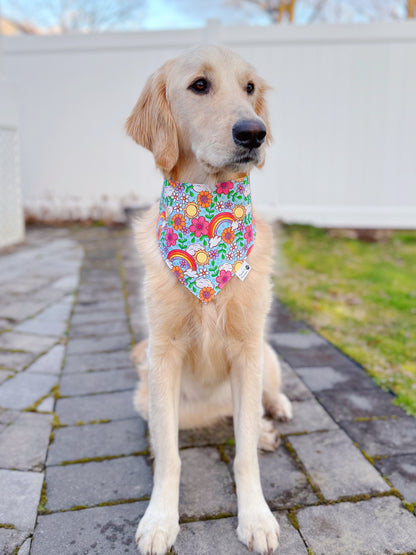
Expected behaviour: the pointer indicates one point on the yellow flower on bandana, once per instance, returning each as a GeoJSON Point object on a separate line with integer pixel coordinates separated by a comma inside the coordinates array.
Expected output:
{"type": "Point", "coordinates": [239, 212]}
{"type": "Point", "coordinates": [191, 210]}
{"type": "Point", "coordinates": [201, 257]}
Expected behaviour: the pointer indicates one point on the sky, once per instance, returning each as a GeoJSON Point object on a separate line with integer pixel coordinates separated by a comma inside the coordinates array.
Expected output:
{"type": "Point", "coordinates": [174, 14]}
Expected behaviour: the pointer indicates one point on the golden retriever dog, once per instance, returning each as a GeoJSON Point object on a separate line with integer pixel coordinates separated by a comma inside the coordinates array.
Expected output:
{"type": "Point", "coordinates": [203, 116]}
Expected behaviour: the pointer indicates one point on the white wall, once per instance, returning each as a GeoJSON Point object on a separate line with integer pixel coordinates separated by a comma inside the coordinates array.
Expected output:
{"type": "Point", "coordinates": [11, 211]}
{"type": "Point", "coordinates": [343, 115]}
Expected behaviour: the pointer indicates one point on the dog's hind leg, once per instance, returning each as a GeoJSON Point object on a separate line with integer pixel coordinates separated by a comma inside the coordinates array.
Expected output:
{"type": "Point", "coordinates": [275, 403]}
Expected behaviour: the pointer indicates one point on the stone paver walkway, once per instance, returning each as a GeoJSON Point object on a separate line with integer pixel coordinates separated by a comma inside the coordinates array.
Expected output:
{"type": "Point", "coordinates": [75, 473]}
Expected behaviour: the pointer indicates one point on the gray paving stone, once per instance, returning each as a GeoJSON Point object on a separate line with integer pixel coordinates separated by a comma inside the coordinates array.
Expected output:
{"type": "Point", "coordinates": [98, 344]}
{"type": "Point", "coordinates": [123, 437]}
{"type": "Point", "coordinates": [206, 484]}
{"type": "Point", "coordinates": [336, 466]}
{"type": "Point", "coordinates": [292, 385]}
{"type": "Point", "coordinates": [115, 306]}
{"type": "Point", "coordinates": [219, 434]}
{"type": "Point", "coordinates": [308, 416]}
{"type": "Point", "coordinates": [384, 437]}
{"type": "Point", "coordinates": [97, 361]}
{"type": "Point", "coordinates": [401, 472]}
{"type": "Point", "coordinates": [47, 405]}
{"type": "Point", "coordinates": [100, 328]}
{"type": "Point", "coordinates": [5, 375]}
{"type": "Point", "coordinates": [93, 315]}
{"type": "Point", "coordinates": [25, 285]}
{"type": "Point", "coordinates": [91, 295]}
{"type": "Point", "coordinates": [5, 324]}
{"type": "Point", "coordinates": [25, 389]}
{"type": "Point", "coordinates": [92, 483]}
{"type": "Point", "coordinates": [347, 405]}
{"type": "Point", "coordinates": [23, 444]}
{"type": "Point", "coordinates": [367, 528]}
{"type": "Point", "coordinates": [51, 363]}
{"type": "Point", "coordinates": [19, 310]}
{"type": "Point", "coordinates": [20, 494]}
{"type": "Point", "coordinates": [322, 378]}
{"type": "Point", "coordinates": [51, 321]}
{"type": "Point", "coordinates": [26, 342]}
{"type": "Point", "coordinates": [219, 537]}
{"type": "Point", "coordinates": [327, 355]}
{"type": "Point", "coordinates": [11, 540]}
{"type": "Point", "coordinates": [15, 361]}
{"type": "Point", "coordinates": [284, 484]}
{"type": "Point", "coordinates": [8, 416]}
{"type": "Point", "coordinates": [281, 321]}
{"type": "Point", "coordinates": [90, 408]}
{"type": "Point", "coordinates": [66, 283]}
{"type": "Point", "coordinates": [297, 340]}
{"type": "Point", "coordinates": [25, 547]}
{"type": "Point", "coordinates": [98, 382]}
{"type": "Point", "coordinates": [96, 531]}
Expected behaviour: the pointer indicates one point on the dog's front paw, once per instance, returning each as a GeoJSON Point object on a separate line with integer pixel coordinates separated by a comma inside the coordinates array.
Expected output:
{"type": "Point", "coordinates": [259, 530]}
{"type": "Point", "coordinates": [156, 533]}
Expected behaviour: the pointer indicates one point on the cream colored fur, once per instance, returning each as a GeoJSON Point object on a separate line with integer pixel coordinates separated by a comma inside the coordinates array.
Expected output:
{"type": "Point", "coordinates": [205, 361]}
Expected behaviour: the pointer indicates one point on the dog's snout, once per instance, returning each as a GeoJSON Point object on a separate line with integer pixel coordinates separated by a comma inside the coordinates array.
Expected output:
{"type": "Point", "coordinates": [249, 133]}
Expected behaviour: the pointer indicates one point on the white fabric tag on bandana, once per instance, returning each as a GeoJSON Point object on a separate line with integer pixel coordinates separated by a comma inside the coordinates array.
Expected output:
{"type": "Point", "coordinates": [243, 271]}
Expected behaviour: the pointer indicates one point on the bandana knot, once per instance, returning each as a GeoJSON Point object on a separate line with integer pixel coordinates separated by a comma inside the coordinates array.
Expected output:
{"type": "Point", "coordinates": [205, 236]}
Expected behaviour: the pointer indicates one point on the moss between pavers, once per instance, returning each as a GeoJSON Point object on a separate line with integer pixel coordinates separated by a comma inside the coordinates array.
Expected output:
{"type": "Point", "coordinates": [42, 510]}
{"type": "Point", "coordinates": [105, 458]}
{"type": "Point", "coordinates": [125, 296]}
{"type": "Point", "coordinates": [223, 455]}
{"type": "Point", "coordinates": [314, 487]}
{"type": "Point", "coordinates": [206, 517]}
{"type": "Point", "coordinates": [104, 504]}
{"type": "Point", "coordinates": [8, 526]}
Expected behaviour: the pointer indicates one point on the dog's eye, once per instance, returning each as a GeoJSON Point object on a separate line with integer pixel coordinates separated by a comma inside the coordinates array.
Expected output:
{"type": "Point", "coordinates": [250, 88]}
{"type": "Point", "coordinates": [200, 86]}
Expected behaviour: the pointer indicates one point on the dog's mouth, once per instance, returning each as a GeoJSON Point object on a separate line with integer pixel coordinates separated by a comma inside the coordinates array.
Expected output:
{"type": "Point", "coordinates": [241, 161]}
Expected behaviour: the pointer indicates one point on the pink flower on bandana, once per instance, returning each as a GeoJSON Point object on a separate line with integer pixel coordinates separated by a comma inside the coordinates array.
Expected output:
{"type": "Point", "coordinates": [170, 237]}
{"type": "Point", "coordinates": [224, 188]}
{"type": "Point", "coordinates": [223, 278]}
{"type": "Point", "coordinates": [248, 235]}
{"type": "Point", "coordinates": [199, 226]}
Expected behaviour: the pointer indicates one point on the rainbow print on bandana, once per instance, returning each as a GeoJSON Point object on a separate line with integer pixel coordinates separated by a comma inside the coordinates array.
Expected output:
{"type": "Point", "coordinates": [177, 257]}
{"type": "Point", "coordinates": [205, 234]}
{"type": "Point", "coordinates": [217, 221]}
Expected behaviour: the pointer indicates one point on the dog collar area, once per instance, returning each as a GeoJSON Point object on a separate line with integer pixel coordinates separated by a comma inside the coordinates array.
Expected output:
{"type": "Point", "coordinates": [205, 236]}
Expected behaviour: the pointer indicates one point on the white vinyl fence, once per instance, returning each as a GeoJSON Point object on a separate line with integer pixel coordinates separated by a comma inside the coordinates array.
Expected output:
{"type": "Point", "coordinates": [343, 112]}
{"type": "Point", "coordinates": [11, 212]}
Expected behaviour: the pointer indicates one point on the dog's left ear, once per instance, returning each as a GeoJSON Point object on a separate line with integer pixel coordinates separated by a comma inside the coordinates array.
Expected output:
{"type": "Point", "coordinates": [261, 107]}
{"type": "Point", "coordinates": [151, 123]}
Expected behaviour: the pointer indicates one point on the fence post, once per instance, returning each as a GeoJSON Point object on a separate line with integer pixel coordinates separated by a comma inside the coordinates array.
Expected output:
{"type": "Point", "coordinates": [12, 228]}
{"type": "Point", "coordinates": [212, 32]}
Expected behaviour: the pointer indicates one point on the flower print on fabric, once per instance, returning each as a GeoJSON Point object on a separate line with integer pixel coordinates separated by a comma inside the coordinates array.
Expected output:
{"type": "Point", "coordinates": [207, 236]}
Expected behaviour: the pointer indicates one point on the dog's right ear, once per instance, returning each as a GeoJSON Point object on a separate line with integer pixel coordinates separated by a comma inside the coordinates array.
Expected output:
{"type": "Point", "coordinates": [151, 123]}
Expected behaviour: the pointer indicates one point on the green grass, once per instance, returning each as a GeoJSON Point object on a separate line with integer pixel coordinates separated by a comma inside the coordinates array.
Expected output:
{"type": "Point", "coordinates": [359, 295]}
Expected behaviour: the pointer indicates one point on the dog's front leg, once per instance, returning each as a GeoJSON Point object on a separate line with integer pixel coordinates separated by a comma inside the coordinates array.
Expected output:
{"type": "Point", "coordinates": [257, 527]}
{"type": "Point", "coordinates": [159, 526]}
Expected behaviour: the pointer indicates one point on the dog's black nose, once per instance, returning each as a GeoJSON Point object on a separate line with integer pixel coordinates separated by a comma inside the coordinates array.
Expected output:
{"type": "Point", "coordinates": [249, 133]}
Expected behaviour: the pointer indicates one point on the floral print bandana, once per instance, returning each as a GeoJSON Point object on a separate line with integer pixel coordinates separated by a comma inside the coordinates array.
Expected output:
{"type": "Point", "coordinates": [205, 236]}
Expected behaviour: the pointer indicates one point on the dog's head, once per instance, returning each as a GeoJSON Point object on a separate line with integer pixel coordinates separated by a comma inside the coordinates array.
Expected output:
{"type": "Point", "coordinates": [204, 109]}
